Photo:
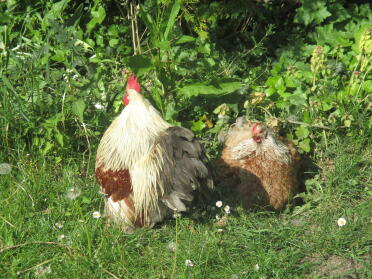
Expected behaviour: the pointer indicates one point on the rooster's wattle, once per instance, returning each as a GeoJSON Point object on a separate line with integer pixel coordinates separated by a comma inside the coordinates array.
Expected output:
{"type": "Point", "coordinates": [146, 167]}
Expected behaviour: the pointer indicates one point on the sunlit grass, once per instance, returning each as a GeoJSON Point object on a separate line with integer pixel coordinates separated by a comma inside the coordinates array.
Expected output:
{"type": "Point", "coordinates": [44, 233]}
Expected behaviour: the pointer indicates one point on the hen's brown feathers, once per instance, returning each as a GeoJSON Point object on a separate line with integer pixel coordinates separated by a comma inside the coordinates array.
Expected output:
{"type": "Point", "coordinates": [261, 172]}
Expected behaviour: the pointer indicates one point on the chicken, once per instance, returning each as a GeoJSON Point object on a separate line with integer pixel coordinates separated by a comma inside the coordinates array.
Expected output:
{"type": "Point", "coordinates": [263, 167]}
{"type": "Point", "coordinates": [146, 167]}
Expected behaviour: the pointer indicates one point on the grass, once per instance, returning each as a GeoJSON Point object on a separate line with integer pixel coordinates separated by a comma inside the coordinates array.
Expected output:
{"type": "Point", "coordinates": [302, 242]}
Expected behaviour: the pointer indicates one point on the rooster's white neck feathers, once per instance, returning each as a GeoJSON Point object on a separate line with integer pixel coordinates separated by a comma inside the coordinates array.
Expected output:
{"type": "Point", "coordinates": [131, 134]}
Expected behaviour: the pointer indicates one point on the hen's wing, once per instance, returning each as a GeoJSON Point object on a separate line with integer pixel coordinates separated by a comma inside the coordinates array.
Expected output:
{"type": "Point", "coordinates": [171, 171]}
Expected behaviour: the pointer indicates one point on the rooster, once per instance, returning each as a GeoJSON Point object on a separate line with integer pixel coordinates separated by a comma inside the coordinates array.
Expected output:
{"type": "Point", "coordinates": [146, 167]}
{"type": "Point", "coordinates": [264, 167]}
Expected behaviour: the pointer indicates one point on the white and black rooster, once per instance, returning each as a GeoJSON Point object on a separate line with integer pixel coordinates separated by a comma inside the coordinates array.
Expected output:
{"type": "Point", "coordinates": [146, 167]}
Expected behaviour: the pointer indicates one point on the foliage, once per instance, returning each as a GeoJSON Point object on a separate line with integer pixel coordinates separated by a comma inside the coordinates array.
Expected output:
{"type": "Point", "coordinates": [302, 66]}
{"type": "Point", "coordinates": [62, 67]}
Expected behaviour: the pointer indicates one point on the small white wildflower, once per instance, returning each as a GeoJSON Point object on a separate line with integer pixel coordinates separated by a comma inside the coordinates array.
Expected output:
{"type": "Point", "coordinates": [85, 8]}
{"type": "Point", "coordinates": [96, 215]}
{"type": "Point", "coordinates": [234, 276]}
{"type": "Point", "coordinates": [227, 209]}
{"type": "Point", "coordinates": [219, 204]}
{"type": "Point", "coordinates": [189, 263]}
{"type": "Point", "coordinates": [75, 77]}
{"type": "Point", "coordinates": [58, 225]}
{"type": "Point", "coordinates": [40, 271]}
{"type": "Point", "coordinates": [5, 168]}
{"type": "Point", "coordinates": [172, 246]}
{"type": "Point", "coordinates": [61, 237]}
{"type": "Point", "coordinates": [257, 267]}
{"type": "Point", "coordinates": [341, 222]}
{"type": "Point", "coordinates": [98, 106]}
{"type": "Point", "coordinates": [176, 215]}
{"type": "Point", "coordinates": [219, 230]}
{"type": "Point", "coordinates": [73, 193]}
{"type": "Point", "coordinates": [218, 217]}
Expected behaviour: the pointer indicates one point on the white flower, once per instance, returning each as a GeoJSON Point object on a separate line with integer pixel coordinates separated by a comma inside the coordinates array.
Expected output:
{"type": "Point", "coordinates": [96, 215]}
{"type": "Point", "coordinates": [98, 106]}
{"type": "Point", "coordinates": [219, 230]}
{"type": "Point", "coordinates": [218, 217]}
{"type": "Point", "coordinates": [227, 209]}
{"type": "Point", "coordinates": [341, 222]}
{"type": "Point", "coordinates": [41, 271]}
{"type": "Point", "coordinates": [61, 237]}
{"type": "Point", "coordinates": [172, 246]}
{"type": "Point", "coordinates": [58, 225]}
{"type": "Point", "coordinates": [73, 193]}
{"type": "Point", "coordinates": [189, 263]}
{"type": "Point", "coordinates": [5, 168]}
{"type": "Point", "coordinates": [176, 214]}
{"type": "Point", "coordinates": [219, 204]}
{"type": "Point", "coordinates": [256, 267]}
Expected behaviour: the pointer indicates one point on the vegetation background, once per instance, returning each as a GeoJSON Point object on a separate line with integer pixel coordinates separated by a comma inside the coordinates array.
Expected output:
{"type": "Point", "coordinates": [303, 66]}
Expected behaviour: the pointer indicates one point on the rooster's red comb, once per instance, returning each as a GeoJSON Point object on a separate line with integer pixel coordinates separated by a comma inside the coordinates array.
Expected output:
{"type": "Point", "coordinates": [133, 84]}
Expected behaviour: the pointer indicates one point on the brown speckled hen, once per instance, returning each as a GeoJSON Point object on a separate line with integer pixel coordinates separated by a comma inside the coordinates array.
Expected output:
{"type": "Point", "coordinates": [259, 165]}
{"type": "Point", "coordinates": [146, 167]}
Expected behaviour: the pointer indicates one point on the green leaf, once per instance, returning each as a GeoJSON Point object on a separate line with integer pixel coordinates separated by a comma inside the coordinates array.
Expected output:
{"type": "Point", "coordinates": [214, 87]}
{"type": "Point", "coordinates": [59, 137]}
{"type": "Point", "coordinates": [367, 86]}
{"type": "Point", "coordinates": [78, 108]}
{"type": "Point", "coordinates": [59, 56]}
{"type": "Point", "coordinates": [305, 145]}
{"type": "Point", "coordinates": [140, 64]}
{"type": "Point", "coordinates": [98, 16]}
{"type": "Point", "coordinates": [297, 99]}
{"type": "Point", "coordinates": [86, 200]}
{"type": "Point", "coordinates": [171, 16]}
{"type": "Point", "coordinates": [312, 11]}
{"type": "Point", "coordinates": [113, 42]}
{"type": "Point", "coordinates": [113, 31]}
{"type": "Point", "coordinates": [47, 148]}
{"type": "Point", "coordinates": [197, 126]}
{"type": "Point", "coordinates": [302, 132]}
{"type": "Point", "coordinates": [185, 39]}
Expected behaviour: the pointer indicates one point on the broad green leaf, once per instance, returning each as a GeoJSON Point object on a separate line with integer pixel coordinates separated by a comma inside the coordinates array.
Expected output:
{"type": "Point", "coordinates": [5, 19]}
{"type": "Point", "coordinates": [367, 86]}
{"type": "Point", "coordinates": [78, 108]}
{"type": "Point", "coordinates": [305, 145]}
{"type": "Point", "coordinates": [98, 16]}
{"type": "Point", "coordinates": [185, 39]}
{"type": "Point", "coordinates": [59, 137]}
{"type": "Point", "coordinates": [113, 42]}
{"type": "Point", "coordinates": [214, 87]}
{"type": "Point", "coordinates": [113, 30]}
{"type": "Point", "coordinates": [312, 11]}
{"type": "Point", "coordinates": [140, 64]}
{"type": "Point", "coordinates": [59, 56]}
{"type": "Point", "coordinates": [297, 99]}
{"type": "Point", "coordinates": [302, 132]}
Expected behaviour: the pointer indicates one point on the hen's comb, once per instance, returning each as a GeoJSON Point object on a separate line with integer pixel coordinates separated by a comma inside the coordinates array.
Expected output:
{"type": "Point", "coordinates": [133, 84]}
